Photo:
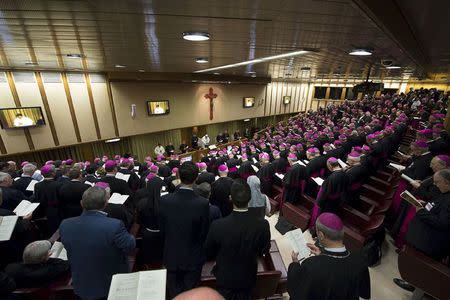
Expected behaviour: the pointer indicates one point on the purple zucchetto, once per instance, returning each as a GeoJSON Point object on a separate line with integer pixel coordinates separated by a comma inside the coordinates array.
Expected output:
{"type": "Point", "coordinates": [292, 156]}
{"type": "Point", "coordinates": [354, 154]}
{"type": "Point", "coordinates": [102, 185]}
{"type": "Point", "coordinates": [365, 148]}
{"type": "Point", "coordinates": [175, 170]}
{"type": "Point", "coordinates": [223, 168]}
{"type": "Point", "coordinates": [154, 168]}
{"type": "Point", "coordinates": [110, 164]}
{"type": "Point", "coordinates": [47, 169]}
{"type": "Point", "coordinates": [264, 155]}
{"type": "Point", "coordinates": [445, 158]}
{"type": "Point", "coordinates": [201, 165]}
{"type": "Point", "coordinates": [49, 162]}
{"type": "Point", "coordinates": [420, 144]}
{"type": "Point", "coordinates": [426, 132]}
{"type": "Point", "coordinates": [331, 221]}
{"type": "Point", "coordinates": [23, 163]}
{"type": "Point", "coordinates": [69, 161]}
{"type": "Point", "coordinates": [332, 160]}
{"type": "Point", "coordinates": [312, 150]}
{"type": "Point", "coordinates": [150, 176]}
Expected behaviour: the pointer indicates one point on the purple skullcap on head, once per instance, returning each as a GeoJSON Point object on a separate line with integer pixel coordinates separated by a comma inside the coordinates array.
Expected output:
{"type": "Point", "coordinates": [87, 163]}
{"type": "Point", "coordinates": [421, 144]}
{"type": "Point", "coordinates": [292, 156]}
{"type": "Point", "coordinates": [202, 165]}
{"type": "Point", "coordinates": [154, 168]}
{"type": "Point", "coordinates": [275, 152]}
{"type": "Point", "coordinates": [244, 155]}
{"type": "Point", "coordinates": [332, 160]}
{"type": "Point", "coordinates": [326, 145]}
{"type": "Point", "coordinates": [63, 162]}
{"type": "Point", "coordinates": [264, 155]}
{"type": "Point", "coordinates": [358, 149]}
{"type": "Point", "coordinates": [365, 148]}
{"type": "Point", "coordinates": [126, 161]}
{"type": "Point", "coordinates": [117, 156]}
{"type": "Point", "coordinates": [174, 170]}
{"type": "Point", "coordinates": [438, 116]}
{"type": "Point", "coordinates": [159, 157]}
{"type": "Point", "coordinates": [69, 161]}
{"type": "Point", "coordinates": [49, 162]}
{"type": "Point", "coordinates": [445, 158]}
{"type": "Point", "coordinates": [150, 176]}
{"type": "Point", "coordinates": [311, 150]}
{"type": "Point", "coordinates": [110, 164]}
{"type": "Point", "coordinates": [23, 163]}
{"type": "Point", "coordinates": [426, 132]}
{"type": "Point", "coordinates": [299, 145]}
{"type": "Point", "coordinates": [337, 143]}
{"type": "Point", "coordinates": [438, 125]}
{"type": "Point", "coordinates": [371, 136]}
{"type": "Point", "coordinates": [342, 137]}
{"type": "Point", "coordinates": [223, 168]}
{"type": "Point", "coordinates": [220, 152]}
{"type": "Point", "coordinates": [354, 154]}
{"type": "Point", "coordinates": [102, 185]}
{"type": "Point", "coordinates": [331, 221]}
{"type": "Point", "coordinates": [46, 169]}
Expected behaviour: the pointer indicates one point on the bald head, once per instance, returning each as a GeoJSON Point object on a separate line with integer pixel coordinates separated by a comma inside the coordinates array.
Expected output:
{"type": "Point", "coordinates": [202, 293]}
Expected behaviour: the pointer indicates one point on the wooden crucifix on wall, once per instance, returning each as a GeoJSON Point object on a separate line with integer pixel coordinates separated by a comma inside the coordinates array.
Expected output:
{"type": "Point", "coordinates": [211, 97]}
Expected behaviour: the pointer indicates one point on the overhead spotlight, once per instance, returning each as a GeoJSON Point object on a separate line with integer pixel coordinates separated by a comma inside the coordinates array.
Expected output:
{"type": "Point", "coordinates": [74, 55]}
{"type": "Point", "coordinates": [195, 36]}
{"type": "Point", "coordinates": [360, 52]}
{"type": "Point", "coordinates": [393, 67]}
{"type": "Point", "coordinates": [202, 60]}
{"type": "Point", "coordinates": [246, 120]}
{"type": "Point", "coordinates": [119, 66]}
{"type": "Point", "coordinates": [112, 140]}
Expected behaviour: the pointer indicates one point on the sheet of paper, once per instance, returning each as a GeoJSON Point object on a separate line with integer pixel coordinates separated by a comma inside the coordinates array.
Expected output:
{"type": "Point", "coordinates": [306, 161]}
{"type": "Point", "coordinates": [255, 168]}
{"type": "Point", "coordinates": [298, 243]}
{"type": "Point", "coordinates": [407, 178]}
{"type": "Point", "coordinates": [117, 198]}
{"type": "Point", "coordinates": [7, 224]}
{"type": "Point", "coordinates": [238, 156]}
{"type": "Point", "coordinates": [397, 166]}
{"type": "Point", "coordinates": [164, 193]}
{"type": "Point", "coordinates": [333, 146]}
{"type": "Point", "coordinates": [30, 187]}
{"type": "Point", "coordinates": [124, 287]}
{"type": "Point", "coordinates": [217, 177]}
{"type": "Point", "coordinates": [58, 251]}
{"type": "Point", "coordinates": [212, 147]}
{"type": "Point", "coordinates": [152, 285]}
{"type": "Point", "coordinates": [410, 198]}
{"type": "Point", "coordinates": [342, 164]}
{"type": "Point", "coordinates": [254, 160]}
{"type": "Point", "coordinates": [401, 153]}
{"type": "Point", "coordinates": [89, 183]}
{"type": "Point", "coordinates": [125, 177]}
{"type": "Point", "coordinates": [299, 162]}
{"type": "Point", "coordinates": [136, 168]}
{"type": "Point", "coordinates": [281, 176]}
{"type": "Point", "coordinates": [25, 207]}
{"type": "Point", "coordinates": [318, 180]}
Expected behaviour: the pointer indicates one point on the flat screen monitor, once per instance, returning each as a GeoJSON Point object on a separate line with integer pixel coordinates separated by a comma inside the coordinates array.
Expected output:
{"type": "Point", "coordinates": [248, 102]}
{"type": "Point", "coordinates": [21, 117]}
{"type": "Point", "coordinates": [186, 158]}
{"type": "Point", "coordinates": [158, 107]}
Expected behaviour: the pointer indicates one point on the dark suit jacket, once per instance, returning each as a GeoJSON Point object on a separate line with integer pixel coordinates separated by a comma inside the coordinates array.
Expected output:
{"type": "Point", "coordinates": [97, 248]}
{"type": "Point", "coordinates": [37, 275]}
{"type": "Point", "coordinates": [133, 181]}
{"type": "Point", "coordinates": [70, 197]}
{"type": "Point", "coordinates": [235, 242]}
{"type": "Point", "coordinates": [205, 177]}
{"type": "Point", "coordinates": [117, 185]}
{"type": "Point", "coordinates": [21, 184]}
{"type": "Point", "coordinates": [184, 233]}
{"type": "Point", "coordinates": [11, 198]}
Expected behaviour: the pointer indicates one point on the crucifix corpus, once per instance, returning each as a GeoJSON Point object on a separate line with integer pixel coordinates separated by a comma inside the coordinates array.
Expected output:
{"type": "Point", "coordinates": [211, 97]}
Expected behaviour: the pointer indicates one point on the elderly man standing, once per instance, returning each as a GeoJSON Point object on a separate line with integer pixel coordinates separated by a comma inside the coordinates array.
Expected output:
{"type": "Point", "coordinates": [24, 180]}
{"type": "Point", "coordinates": [11, 196]}
{"type": "Point", "coordinates": [97, 246]}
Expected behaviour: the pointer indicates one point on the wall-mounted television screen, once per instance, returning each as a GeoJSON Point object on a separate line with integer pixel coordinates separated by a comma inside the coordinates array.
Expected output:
{"type": "Point", "coordinates": [21, 117]}
{"type": "Point", "coordinates": [248, 102]}
{"type": "Point", "coordinates": [158, 107]}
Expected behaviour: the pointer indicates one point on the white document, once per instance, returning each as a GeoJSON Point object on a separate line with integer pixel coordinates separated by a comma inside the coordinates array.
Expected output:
{"type": "Point", "coordinates": [333, 146]}
{"type": "Point", "coordinates": [238, 166]}
{"type": "Point", "coordinates": [306, 161]}
{"type": "Point", "coordinates": [125, 177]}
{"type": "Point", "coordinates": [117, 198]}
{"type": "Point", "coordinates": [255, 168]}
{"type": "Point", "coordinates": [25, 207]}
{"type": "Point", "coordinates": [407, 178]}
{"type": "Point", "coordinates": [163, 188]}
{"type": "Point", "coordinates": [254, 160]}
{"type": "Point", "coordinates": [142, 285]}
{"type": "Point", "coordinates": [401, 153]}
{"type": "Point", "coordinates": [397, 166]}
{"type": "Point", "coordinates": [7, 224]}
{"type": "Point", "coordinates": [30, 187]}
{"type": "Point", "coordinates": [212, 147]}
{"type": "Point", "coordinates": [58, 251]}
{"type": "Point", "coordinates": [136, 168]}
{"type": "Point", "coordinates": [89, 183]}
{"type": "Point", "coordinates": [281, 176]}
{"type": "Point", "coordinates": [318, 180]}
{"type": "Point", "coordinates": [238, 156]}
{"type": "Point", "coordinates": [217, 177]}
{"type": "Point", "coordinates": [298, 243]}
{"type": "Point", "coordinates": [342, 164]}
{"type": "Point", "coordinates": [299, 162]}
{"type": "Point", "coordinates": [164, 193]}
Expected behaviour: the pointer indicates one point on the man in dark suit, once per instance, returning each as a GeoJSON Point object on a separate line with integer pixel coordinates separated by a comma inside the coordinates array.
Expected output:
{"type": "Point", "coordinates": [37, 268]}
{"type": "Point", "coordinates": [117, 185]}
{"type": "Point", "coordinates": [236, 242]}
{"type": "Point", "coordinates": [64, 178]}
{"type": "Point", "coordinates": [184, 233]}
{"type": "Point", "coordinates": [22, 182]}
{"type": "Point", "coordinates": [70, 195]}
{"type": "Point", "coordinates": [90, 174]}
{"type": "Point", "coordinates": [97, 246]}
{"type": "Point", "coordinates": [11, 196]}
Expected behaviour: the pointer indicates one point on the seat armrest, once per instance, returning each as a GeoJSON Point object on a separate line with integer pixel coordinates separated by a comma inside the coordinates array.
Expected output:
{"type": "Point", "coordinates": [373, 189]}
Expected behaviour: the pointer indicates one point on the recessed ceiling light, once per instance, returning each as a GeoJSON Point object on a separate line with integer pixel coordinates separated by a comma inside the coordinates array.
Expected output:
{"type": "Point", "coordinates": [360, 52]}
{"type": "Point", "coordinates": [119, 66]}
{"type": "Point", "coordinates": [196, 36]}
{"type": "Point", "coordinates": [393, 67]}
{"type": "Point", "coordinates": [31, 64]}
{"type": "Point", "coordinates": [112, 140]}
{"type": "Point", "coordinates": [74, 55]}
{"type": "Point", "coordinates": [254, 61]}
{"type": "Point", "coordinates": [202, 60]}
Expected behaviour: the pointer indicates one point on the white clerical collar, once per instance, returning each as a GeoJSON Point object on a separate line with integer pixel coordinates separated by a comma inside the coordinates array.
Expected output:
{"type": "Point", "coordinates": [24, 175]}
{"type": "Point", "coordinates": [240, 209]}
{"type": "Point", "coordinates": [339, 249]}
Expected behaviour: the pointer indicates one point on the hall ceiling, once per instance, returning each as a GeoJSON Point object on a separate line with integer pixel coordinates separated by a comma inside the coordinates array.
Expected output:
{"type": "Point", "coordinates": [147, 36]}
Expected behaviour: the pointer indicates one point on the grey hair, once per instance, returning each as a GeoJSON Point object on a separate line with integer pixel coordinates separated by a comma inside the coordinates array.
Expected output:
{"type": "Point", "coordinates": [94, 198]}
{"type": "Point", "coordinates": [29, 169]}
{"type": "Point", "coordinates": [445, 173]}
{"type": "Point", "coordinates": [334, 235]}
{"type": "Point", "coordinates": [36, 252]}
{"type": "Point", "coordinates": [3, 176]}
{"type": "Point", "coordinates": [203, 189]}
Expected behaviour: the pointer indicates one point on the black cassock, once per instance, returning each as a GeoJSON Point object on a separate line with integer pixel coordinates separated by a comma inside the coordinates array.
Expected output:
{"type": "Point", "coordinates": [357, 175]}
{"type": "Point", "coordinates": [220, 195]}
{"type": "Point", "coordinates": [419, 169]}
{"type": "Point", "coordinates": [47, 194]}
{"type": "Point", "coordinates": [246, 170]}
{"type": "Point", "coordinates": [329, 276]}
{"type": "Point", "coordinates": [315, 167]}
{"type": "Point", "coordinates": [427, 190]}
{"type": "Point", "coordinates": [265, 175]}
{"type": "Point", "coordinates": [293, 183]}
{"type": "Point", "coordinates": [438, 146]}
{"type": "Point", "coordinates": [205, 177]}
{"type": "Point", "coordinates": [333, 192]}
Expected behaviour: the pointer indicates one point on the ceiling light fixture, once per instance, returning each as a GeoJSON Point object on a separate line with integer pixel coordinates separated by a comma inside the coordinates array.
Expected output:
{"type": "Point", "coordinates": [202, 60]}
{"type": "Point", "coordinates": [254, 61]}
{"type": "Point", "coordinates": [119, 66]}
{"type": "Point", "coordinates": [246, 120]}
{"type": "Point", "coordinates": [74, 55]}
{"type": "Point", "coordinates": [112, 140]}
{"type": "Point", "coordinates": [393, 67]}
{"type": "Point", "coordinates": [195, 36]}
{"type": "Point", "coordinates": [360, 52]}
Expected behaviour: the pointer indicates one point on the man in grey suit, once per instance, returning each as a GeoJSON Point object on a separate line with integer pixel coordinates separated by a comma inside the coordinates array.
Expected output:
{"type": "Point", "coordinates": [97, 246]}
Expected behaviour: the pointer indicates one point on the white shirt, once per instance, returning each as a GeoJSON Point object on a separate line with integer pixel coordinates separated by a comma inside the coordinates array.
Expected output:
{"type": "Point", "coordinates": [24, 121]}
{"type": "Point", "coordinates": [159, 150]}
{"type": "Point", "coordinates": [206, 140]}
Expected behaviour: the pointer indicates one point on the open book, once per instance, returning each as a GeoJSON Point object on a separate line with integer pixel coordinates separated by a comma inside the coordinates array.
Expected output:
{"type": "Point", "coordinates": [7, 224]}
{"type": "Point", "coordinates": [136, 168]}
{"type": "Point", "coordinates": [31, 185]}
{"type": "Point", "coordinates": [117, 198]}
{"type": "Point", "coordinates": [298, 243]}
{"type": "Point", "coordinates": [342, 164]}
{"type": "Point", "coordinates": [125, 177]}
{"type": "Point", "coordinates": [89, 183]}
{"type": "Point", "coordinates": [281, 176]}
{"type": "Point", "coordinates": [255, 168]}
{"type": "Point", "coordinates": [397, 166]}
{"type": "Point", "coordinates": [254, 160]}
{"type": "Point", "coordinates": [318, 180]}
{"type": "Point", "coordinates": [306, 161]}
{"type": "Point", "coordinates": [299, 162]}
{"type": "Point", "coordinates": [58, 251]}
{"type": "Point", "coordinates": [411, 199]}
{"type": "Point", "coordinates": [407, 178]}
{"type": "Point", "coordinates": [138, 286]}
{"type": "Point", "coordinates": [25, 207]}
